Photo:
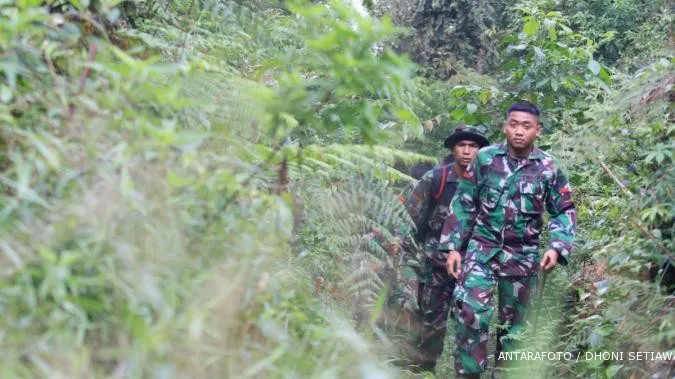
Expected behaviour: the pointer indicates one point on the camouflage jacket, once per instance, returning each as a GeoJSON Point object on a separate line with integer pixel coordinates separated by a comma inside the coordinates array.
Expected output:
{"type": "Point", "coordinates": [428, 202]}
{"type": "Point", "coordinates": [499, 207]}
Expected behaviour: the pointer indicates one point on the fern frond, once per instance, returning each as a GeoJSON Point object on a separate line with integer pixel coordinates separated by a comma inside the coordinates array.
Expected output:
{"type": "Point", "coordinates": [357, 158]}
{"type": "Point", "coordinates": [360, 218]}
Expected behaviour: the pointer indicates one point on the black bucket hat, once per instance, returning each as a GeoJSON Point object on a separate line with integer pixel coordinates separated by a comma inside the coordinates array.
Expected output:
{"type": "Point", "coordinates": [466, 133]}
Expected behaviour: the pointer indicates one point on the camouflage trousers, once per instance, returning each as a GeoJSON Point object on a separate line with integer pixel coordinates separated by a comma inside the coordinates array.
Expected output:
{"type": "Point", "coordinates": [436, 298]}
{"type": "Point", "coordinates": [473, 309]}
{"type": "Point", "coordinates": [404, 303]}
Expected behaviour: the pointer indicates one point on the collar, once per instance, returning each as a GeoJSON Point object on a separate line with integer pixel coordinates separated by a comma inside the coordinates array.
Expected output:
{"type": "Point", "coordinates": [452, 174]}
{"type": "Point", "coordinates": [536, 153]}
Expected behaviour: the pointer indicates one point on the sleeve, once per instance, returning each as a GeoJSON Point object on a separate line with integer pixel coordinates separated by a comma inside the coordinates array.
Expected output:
{"type": "Point", "coordinates": [459, 224]}
{"type": "Point", "coordinates": [562, 223]}
{"type": "Point", "coordinates": [417, 199]}
{"type": "Point", "coordinates": [417, 202]}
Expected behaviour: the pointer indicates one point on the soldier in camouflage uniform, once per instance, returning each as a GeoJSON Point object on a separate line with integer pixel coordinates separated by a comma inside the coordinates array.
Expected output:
{"type": "Point", "coordinates": [498, 211]}
{"type": "Point", "coordinates": [427, 202]}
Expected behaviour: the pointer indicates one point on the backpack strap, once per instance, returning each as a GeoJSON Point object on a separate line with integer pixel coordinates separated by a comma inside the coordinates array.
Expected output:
{"type": "Point", "coordinates": [438, 183]}
{"type": "Point", "coordinates": [438, 193]}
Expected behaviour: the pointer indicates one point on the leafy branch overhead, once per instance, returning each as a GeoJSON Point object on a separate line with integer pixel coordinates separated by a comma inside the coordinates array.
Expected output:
{"type": "Point", "coordinates": [210, 188]}
{"type": "Point", "coordinates": [345, 80]}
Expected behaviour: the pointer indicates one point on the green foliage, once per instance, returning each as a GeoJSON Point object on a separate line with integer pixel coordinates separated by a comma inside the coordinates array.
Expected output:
{"type": "Point", "coordinates": [467, 98]}
{"type": "Point", "coordinates": [207, 188]}
{"type": "Point", "coordinates": [476, 105]}
{"type": "Point", "coordinates": [545, 62]}
{"type": "Point", "coordinates": [449, 34]}
{"type": "Point", "coordinates": [551, 65]}
{"type": "Point", "coordinates": [625, 310]}
{"type": "Point", "coordinates": [339, 85]}
{"type": "Point", "coordinates": [453, 33]}
{"type": "Point", "coordinates": [621, 121]}
{"type": "Point", "coordinates": [358, 219]}
{"type": "Point", "coordinates": [146, 219]}
{"type": "Point", "coordinates": [334, 161]}
{"type": "Point", "coordinates": [221, 34]}
{"type": "Point", "coordinates": [623, 30]}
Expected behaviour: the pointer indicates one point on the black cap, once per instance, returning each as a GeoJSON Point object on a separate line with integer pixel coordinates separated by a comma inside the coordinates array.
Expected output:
{"type": "Point", "coordinates": [466, 133]}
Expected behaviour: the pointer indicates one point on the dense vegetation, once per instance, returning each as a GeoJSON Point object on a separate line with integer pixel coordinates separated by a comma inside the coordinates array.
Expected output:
{"type": "Point", "coordinates": [208, 188]}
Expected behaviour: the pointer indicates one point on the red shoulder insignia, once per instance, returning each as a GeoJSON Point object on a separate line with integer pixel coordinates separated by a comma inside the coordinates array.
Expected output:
{"type": "Point", "coordinates": [565, 190]}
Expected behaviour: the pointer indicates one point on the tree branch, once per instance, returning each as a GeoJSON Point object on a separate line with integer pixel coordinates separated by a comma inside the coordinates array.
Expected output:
{"type": "Point", "coordinates": [85, 73]}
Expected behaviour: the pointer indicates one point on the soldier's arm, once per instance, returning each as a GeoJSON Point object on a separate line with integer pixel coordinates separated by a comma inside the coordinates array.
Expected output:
{"type": "Point", "coordinates": [416, 200]}
{"type": "Point", "coordinates": [459, 224]}
{"type": "Point", "coordinates": [563, 221]}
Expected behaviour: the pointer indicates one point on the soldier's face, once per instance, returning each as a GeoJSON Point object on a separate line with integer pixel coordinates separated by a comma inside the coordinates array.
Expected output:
{"type": "Point", "coordinates": [522, 129]}
{"type": "Point", "coordinates": [464, 152]}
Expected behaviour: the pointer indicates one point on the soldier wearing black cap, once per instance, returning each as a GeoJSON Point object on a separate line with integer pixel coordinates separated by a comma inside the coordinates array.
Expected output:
{"type": "Point", "coordinates": [427, 202]}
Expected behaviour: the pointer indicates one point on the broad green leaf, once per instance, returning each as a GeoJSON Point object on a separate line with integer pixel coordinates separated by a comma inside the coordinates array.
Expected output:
{"type": "Point", "coordinates": [457, 114]}
{"type": "Point", "coordinates": [602, 286]}
{"type": "Point", "coordinates": [605, 76]}
{"type": "Point", "coordinates": [459, 91]}
{"type": "Point", "coordinates": [471, 119]}
{"type": "Point", "coordinates": [594, 66]}
{"type": "Point", "coordinates": [484, 96]}
{"type": "Point", "coordinates": [605, 329]}
{"type": "Point", "coordinates": [28, 3]}
{"type": "Point", "coordinates": [531, 27]}
{"type": "Point", "coordinates": [542, 83]}
{"type": "Point", "coordinates": [555, 85]}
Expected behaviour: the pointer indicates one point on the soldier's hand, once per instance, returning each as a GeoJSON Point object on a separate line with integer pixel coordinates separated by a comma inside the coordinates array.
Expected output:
{"type": "Point", "coordinates": [454, 263]}
{"type": "Point", "coordinates": [550, 260]}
